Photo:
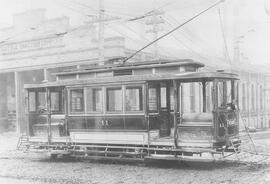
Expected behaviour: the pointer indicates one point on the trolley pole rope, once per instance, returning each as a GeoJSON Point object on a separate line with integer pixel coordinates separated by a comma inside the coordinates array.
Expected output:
{"type": "Point", "coordinates": [166, 34]}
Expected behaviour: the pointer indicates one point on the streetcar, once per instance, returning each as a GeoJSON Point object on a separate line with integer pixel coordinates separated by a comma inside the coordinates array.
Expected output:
{"type": "Point", "coordinates": [153, 109]}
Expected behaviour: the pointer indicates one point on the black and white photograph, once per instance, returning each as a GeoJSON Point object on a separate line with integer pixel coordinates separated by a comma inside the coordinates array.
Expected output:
{"type": "Point", "coordinates": [134, 91]}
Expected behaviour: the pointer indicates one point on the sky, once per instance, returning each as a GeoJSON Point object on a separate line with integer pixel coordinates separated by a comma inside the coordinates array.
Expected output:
{"type": "Point", "coordinates": [208, 35]}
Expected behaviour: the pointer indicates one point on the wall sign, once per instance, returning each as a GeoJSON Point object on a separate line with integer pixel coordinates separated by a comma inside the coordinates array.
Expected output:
{"type": "Point", "coordinates": [30, 45]}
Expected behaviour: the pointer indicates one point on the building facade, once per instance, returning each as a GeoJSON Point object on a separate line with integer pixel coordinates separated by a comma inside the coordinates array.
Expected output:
{"type": "Point", "coordinates": [35, 47]}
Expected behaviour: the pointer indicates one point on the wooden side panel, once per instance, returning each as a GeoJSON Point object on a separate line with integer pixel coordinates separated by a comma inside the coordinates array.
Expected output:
{"type": "Point", "coordinates": [196, 130]}
{"type": "Point", "coordinates": [188, 133]}
{"type": "Point", "coordinates": [40, 130]}
{"type": "Point", "coordinates": [110, 137]}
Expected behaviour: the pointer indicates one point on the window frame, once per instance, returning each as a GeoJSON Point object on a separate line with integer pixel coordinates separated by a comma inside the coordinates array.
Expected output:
{"type": "Point", "coordinates": [142, 99]}
{"type": "Point", "coordinates": [70, 101]}
{"type": "Point", "coordinates": [36, 91]}
{"type": "Point", "coordinates": [156, 87]}
{"type": "Point", "coordinates": [107, 111]}
{"type": "Point", "coordinates": [60, 103]}
{"type": "Point", "coordinates": [35, 98]}
{"type": "Point", "coordinates": [192, 97]}
{"type": "Point", "coordinates": [209, 96]}
{"type": "Point", "coordinates": [103, 109]}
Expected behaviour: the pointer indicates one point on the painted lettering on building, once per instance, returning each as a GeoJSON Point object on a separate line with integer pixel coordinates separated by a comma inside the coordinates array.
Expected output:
{"type": "Point", "coordinates": [31, 45]}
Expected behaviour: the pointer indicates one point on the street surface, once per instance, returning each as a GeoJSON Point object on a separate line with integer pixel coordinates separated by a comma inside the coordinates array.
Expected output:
{"type": "Point", "coordinates": [22, 168]}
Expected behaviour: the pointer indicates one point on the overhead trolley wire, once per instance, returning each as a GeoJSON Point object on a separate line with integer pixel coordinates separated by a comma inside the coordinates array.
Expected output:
{"type": "Point", "coordinates": [189, 35]}
{"type": "Point", "coordinates": [96, 11]}
{"type": "Point", "coordinates": [176, 28]}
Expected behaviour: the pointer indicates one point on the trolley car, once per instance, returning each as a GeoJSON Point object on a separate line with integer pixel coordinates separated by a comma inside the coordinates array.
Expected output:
{"type": "Point", "coordinates": [158, 109]}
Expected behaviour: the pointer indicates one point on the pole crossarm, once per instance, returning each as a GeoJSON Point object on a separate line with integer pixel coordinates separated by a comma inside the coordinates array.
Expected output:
{"type": "Point", "coordinates": [174, 29]}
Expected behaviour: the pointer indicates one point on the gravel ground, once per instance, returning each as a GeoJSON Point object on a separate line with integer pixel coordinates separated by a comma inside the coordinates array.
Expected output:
{"type": "Point", "coordinates": [21, 168]}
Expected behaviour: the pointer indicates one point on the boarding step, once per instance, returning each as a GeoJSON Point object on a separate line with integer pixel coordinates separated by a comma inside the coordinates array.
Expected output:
{"type": "Point", "coordinates": [23, 143]}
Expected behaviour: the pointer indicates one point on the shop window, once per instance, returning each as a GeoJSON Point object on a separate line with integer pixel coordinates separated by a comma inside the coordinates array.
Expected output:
{"type": "Point", "coordinates": [114, 99]}
{"type": "Point", "coordinates": [243, 97]}
{"type": "Point", "coordinates": [55, 101]}
{"type": "Point", "coordinates": [152, 104]}
{"type": "Point", "coordinates": [94, 101]}
{"type": "Point", "coordinates": [32, 101]}
{"type": "Point", "coordinates": [133, 99]}
{"type": "Point", "coordinates": [261, 98]}
{"type": "Point", "coordinates": [252, 98]}
{"type": "Point", "coordinates": [76, 98]}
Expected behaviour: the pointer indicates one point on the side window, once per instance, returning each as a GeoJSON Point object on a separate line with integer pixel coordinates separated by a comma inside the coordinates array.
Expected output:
{"type": "Point", "coordinates": [94, 100]}
{"type": "Point", "coordinates": [32, 101]}
{"type": "Point", "coordinates": [133, 99]}
{"type": "Point", "coordinates": [171, 98]}
{"type": "Point", "coordinates": [114, 99]}
{"type": "Point", "coordinates": [192, 97]}
{"type": "Point", "coordinates": [209, 102]}
{"type": "Point", "coordinates": [229, 91]}
{"type": "Point", "coordinates": [186, 97]}
{"type": "Point", "coordinates": [55, 101]}
{"type": "Point", "coordinates": [76, 100]}
{"type": "Point", "coordinates": [220, 91]}
{"type": "Point", "coordinates": [152, 99]}
{"type": "Point", "coordinates": [42, 101]}
{"type": "Point", "coordinates": [163, 97]}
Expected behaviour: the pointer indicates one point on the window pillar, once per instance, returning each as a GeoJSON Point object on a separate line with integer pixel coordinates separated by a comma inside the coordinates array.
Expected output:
{"type": "Point", "coordinates": [204, 95]}
{"type": "Point", "coordinates": [175, 97]}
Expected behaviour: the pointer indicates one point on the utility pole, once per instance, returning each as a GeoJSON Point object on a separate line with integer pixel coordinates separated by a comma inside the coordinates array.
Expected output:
{"type": "Point", "coordinates": [155, 22]}
{"type": "Point", "coordinates": [236, 52]}
{"type": "Point", "coordinates": [101, 32]}
{"type": "Point", "coordinates": [100, 21]}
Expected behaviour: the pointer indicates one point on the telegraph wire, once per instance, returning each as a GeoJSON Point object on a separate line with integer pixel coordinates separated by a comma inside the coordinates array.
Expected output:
{"type": "Point", "coordinates": [176, 28]}
{"type": "Point", "coordinates": [107, 12]}
{"type": "Point", "coordinates": [189, 49]}
{"type": "Point", "coordinates": [189, 35]}
{"type": "Point", "coordinates": [181, 42]}
{"type": "Point", "coordinates": [141, 36]}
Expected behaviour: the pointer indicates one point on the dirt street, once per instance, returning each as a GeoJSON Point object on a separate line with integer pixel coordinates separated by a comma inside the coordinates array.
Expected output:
{"type": "Point", "coordinates": [20, 168]}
